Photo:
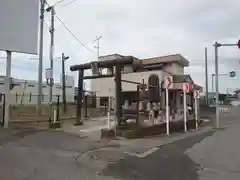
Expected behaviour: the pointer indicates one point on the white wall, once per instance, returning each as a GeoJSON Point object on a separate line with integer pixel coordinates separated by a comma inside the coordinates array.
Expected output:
{"type": "Point", "coordinates": [106, 86]}
{"type": "Point", "coordinates": [177, 69]}
{"type": "Point", "coordinates": [29, 94]}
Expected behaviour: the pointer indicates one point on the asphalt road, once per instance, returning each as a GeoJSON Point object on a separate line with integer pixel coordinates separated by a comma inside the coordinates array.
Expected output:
{"type": "Point", "coordinates": [168, 163]}
{"type": "Point", "coordinates": [38, 155]}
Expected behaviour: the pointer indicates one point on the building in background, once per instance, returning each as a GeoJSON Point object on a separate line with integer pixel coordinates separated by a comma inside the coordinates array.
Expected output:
{"type": "Point", "coordinates": [140, 71]}
{"type": "Point", "coordinates": [26, 91]}
{"type": "Point", "coordinates": [237, 93]}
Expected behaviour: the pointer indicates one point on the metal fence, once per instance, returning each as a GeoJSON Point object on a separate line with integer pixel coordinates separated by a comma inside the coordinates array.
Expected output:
{"type": "Point", "coordinates": [31, 98]}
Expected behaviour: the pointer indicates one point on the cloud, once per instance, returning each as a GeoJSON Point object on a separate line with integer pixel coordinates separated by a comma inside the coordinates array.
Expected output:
{"type": "Point", "coordinates": [146, 29]}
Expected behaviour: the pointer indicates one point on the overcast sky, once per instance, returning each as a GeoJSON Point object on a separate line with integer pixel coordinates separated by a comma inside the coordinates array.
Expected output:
{"type": "Point", "coordinates": [143, 29]}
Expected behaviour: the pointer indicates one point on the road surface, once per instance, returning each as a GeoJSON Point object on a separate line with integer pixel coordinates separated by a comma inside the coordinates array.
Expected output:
{"type": "Point", "coordinates": [205, 155]}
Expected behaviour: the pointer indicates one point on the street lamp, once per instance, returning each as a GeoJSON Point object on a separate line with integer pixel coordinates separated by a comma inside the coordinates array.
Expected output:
{"type": "Point", "coordinates": [216, 46]}
{"type": "Point", "coordinates": [231, 74]}
{"type": "Point", "coordinates": [64, 58]}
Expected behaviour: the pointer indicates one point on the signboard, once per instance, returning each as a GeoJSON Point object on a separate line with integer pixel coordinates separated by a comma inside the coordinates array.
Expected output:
{"type": "Point", "coordinates": [48, 73]}
{"type": "Point", "coordinates": [19, 21]}
{"type": "Point", "coordinates": [168, 82]}
{"type": "Point", "coordinates": [186, 87]}
{"type": "Point", "coordinates": [197, 94]}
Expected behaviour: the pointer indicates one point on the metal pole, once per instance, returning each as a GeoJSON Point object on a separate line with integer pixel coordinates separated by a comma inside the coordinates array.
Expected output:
{"type": "Point", "coordinates": [51, 53]}
{"type": "Point", "coordinates": [206, 74]}
{"type": "Point", "coordinates": [167, 111]}
{"type": "Point", "coordinates": [7, 89]}
{"type": "Point", "coordinates": [212, 82]}
{"type": "Point", "coordinates": [40, 58]}
{"type": "Point", "coordinates": [216, 45]}
{"type": "Point", "coordinates": [98, 49]}
{"type": "Point", "coordinates": [64, 85]}
{"type": "Point", "coordinates": [196, 111]}
{"type": "Point", "coordinates": [185, 110]}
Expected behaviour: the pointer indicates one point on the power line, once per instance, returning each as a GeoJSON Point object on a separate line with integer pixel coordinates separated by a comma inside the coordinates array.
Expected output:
{"type": "Point", "coordinates": [74, 36]}
{"type": "Point", "coordinates": [58, 2]}
{"type": "Point", "coordinates": [70, 32]}
{"type": "Point", "coordinates": [70, 2]}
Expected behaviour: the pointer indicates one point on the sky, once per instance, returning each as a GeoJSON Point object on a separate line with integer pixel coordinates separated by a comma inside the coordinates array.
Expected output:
{"type": "Point", "coordinates": [143, 29]}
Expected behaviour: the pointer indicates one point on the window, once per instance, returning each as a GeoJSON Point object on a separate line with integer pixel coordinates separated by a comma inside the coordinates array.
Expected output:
{"type": "Point", "coordinates": [68, 86]}
{"type": "Point", "coordinates": [30, 85]}
{"type": "Point", "coordinates": [43, 86]}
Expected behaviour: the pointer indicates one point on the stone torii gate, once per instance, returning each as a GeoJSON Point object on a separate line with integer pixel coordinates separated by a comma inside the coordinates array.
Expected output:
{"type": "Point", "coordinates": [95, 66]}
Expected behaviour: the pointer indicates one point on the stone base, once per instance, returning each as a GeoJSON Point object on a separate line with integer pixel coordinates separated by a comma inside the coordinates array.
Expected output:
{"type": "Point", "coordinates": [55, 125]}
{"type": "Point", "coordinates": [78, 124]}
{"type": "Point", "coordinates": [158, 129]}
{"type": "Point", "coordinates": [108, 133]}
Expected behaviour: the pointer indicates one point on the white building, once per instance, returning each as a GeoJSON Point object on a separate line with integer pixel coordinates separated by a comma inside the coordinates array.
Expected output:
{"type": "Point", "coordinates": [26, 91]}
{"type": "Point", "coordinates": [140, 71]}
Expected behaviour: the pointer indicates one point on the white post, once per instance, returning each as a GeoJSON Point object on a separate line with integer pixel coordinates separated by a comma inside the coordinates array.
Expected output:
{"type": "Point", "coordinates": [167, 112]}
{"type": "Point", "coordinates": [108, 120]}
{"type": "Point", "coordinates": [7, 89]}
{"type": "Point", "coordinates": [109, 110]}
{"type": "Point", "coordinates": [196, 112]}
{"type": "Point", "coordinates": [54, 115]}
{"type": "Point", "coordinates": [185, 110]}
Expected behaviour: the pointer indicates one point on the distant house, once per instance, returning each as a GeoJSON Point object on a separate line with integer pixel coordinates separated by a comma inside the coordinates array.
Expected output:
{"type": "Point", "coordinates": [237, 92]}
{"type": "Point", "coordinates": [26, 91]}
{"type": "Point", "coordinates": [140, 71]}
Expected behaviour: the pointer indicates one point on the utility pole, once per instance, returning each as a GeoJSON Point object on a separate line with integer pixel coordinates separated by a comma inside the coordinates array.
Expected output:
{"type": "Point", "coordinates": [206, 74]}
{"type": "Point", "coordinates": [232, 74]}
{"type": "Point", "coordinates": [51, 8]}
{"type": "Point", "coordinates": [216, 45]}
{"type": "Point", "coordinates": [64, 58]}
{"type": "Point", "coordinates": [98, 46]}
{"type": "Point", "coordinates": [39, 98]}
{"type": "Point", "coordinates": [212, 82]}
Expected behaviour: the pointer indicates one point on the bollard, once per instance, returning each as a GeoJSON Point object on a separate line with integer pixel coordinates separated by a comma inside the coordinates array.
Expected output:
{"type": "Point", "coordinates": [56, 121]}
{"type": "Point", "coordinates": [109, 120]}
{"type": "Point", "coordinates": [54, 115]}
{"type": "Point", "coordinates": [58, 106]}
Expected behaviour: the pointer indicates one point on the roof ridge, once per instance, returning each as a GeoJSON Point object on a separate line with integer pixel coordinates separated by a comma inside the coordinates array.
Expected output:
{"type": "Point", "coordinates": [161, 56]}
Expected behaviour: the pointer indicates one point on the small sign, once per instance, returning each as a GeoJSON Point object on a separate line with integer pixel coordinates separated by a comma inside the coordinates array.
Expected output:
{"type": "Point", "coordinates": [197, 94]}
{"type": "Point", "coordinates": [48, 73]}
{"type": "Point", "coordinates": [238, 44]}
{"type": "Point", "coordinates": [232, 74]}
{"type": "Point", "coordinates": [186, 87]}
{"type": "Point", "coordinates": [168, 82]}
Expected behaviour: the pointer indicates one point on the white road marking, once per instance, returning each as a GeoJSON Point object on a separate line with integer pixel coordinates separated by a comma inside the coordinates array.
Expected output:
{"type": "Point", "coordinates": [205, 120]}
{"type": "Point", "coordinates": [143, 155]}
